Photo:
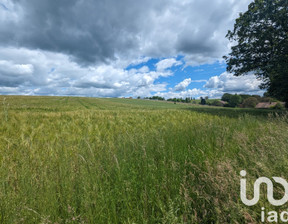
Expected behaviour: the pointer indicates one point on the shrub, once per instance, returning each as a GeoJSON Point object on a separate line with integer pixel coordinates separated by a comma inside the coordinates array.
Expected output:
{"type": "Point", "coordinates": [202, 101]}
{"type": "Point", "coordinates": [279, 106]}
{"type": "Point", "coordinates": [217, 103]}
{"type": "Point", "coordinates": [226, 97]}
{"type": "Point", "coordinates": [250, 102]}
{"type": "Point", "coordinates": [234, 101]}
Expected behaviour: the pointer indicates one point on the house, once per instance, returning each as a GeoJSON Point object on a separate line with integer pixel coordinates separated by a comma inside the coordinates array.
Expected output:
{"type": "Point", "coordinates": [266, 105]}
{"type": "Point", "coordinates": [223, 102]}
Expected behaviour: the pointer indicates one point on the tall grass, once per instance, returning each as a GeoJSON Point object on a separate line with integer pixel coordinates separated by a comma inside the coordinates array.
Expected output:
{"type": "Point", "coordinates": [84, 160]}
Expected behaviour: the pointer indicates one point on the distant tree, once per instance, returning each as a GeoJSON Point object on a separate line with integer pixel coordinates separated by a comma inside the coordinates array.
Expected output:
{"type": "Point", "coordinates": [202, 101]}
{"type": "Point", "coordinates": [187, 100]}
{"type": "Point", "coordinates": [261, 37]}
{"type": "Point", "coordinates": [138, 97]}
{"type": "Point", "coordinates": [244, 96]}
{"type": "Point", "coordinates": [156, 98]}
{"type": "Point", "coordinates": [226, 97]}
{"type": "Point", "coordinates": [234, 101]}
{"type": "Point", "coordinates": [250, 102]}
{"type": "Point", "coordinates": [217, 103]}
{"type": "Point", "coordinates": [257, 97]}
{"type": "Point", "coordinates": [267, 99]}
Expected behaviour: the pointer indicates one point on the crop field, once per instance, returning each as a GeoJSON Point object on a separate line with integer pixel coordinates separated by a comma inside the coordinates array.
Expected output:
{"type": "Point", "coordinates": [94, 160]}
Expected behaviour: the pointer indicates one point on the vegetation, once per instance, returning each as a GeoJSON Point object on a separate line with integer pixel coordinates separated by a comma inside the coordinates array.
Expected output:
{"type": "Point", "coordinates": [87, 160]}
{"type": "Point", "coordinates": [186, 100]}
{"type": "Point", "coordinates": [202, 101]}
{"type": "Point", "coordinates": [155, 98]}
{"type": "Point", "coordinates": [247, 101]}
{"type": "Point", "coordinates": [261, 34]}
{"type": "Point", "coordinates": [216, 103]}
{"type": "Point", "coordinates": [279, 106]}
{"type": "Point", "coordinates": [250, 102]}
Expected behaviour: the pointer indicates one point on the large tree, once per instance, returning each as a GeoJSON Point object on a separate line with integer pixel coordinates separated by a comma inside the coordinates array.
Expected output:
{"type": "Point", "coordinates": [260, 38]}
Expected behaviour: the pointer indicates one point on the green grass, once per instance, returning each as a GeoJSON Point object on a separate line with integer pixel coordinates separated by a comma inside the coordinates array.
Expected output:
{"type": "Point", "coordinates": [89, 160]}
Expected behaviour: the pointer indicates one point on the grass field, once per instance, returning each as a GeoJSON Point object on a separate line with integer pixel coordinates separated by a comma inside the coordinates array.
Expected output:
{"type": "Point", "coordinates": [90, 160]}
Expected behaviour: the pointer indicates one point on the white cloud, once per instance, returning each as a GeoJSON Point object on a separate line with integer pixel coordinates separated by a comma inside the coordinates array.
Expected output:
{"type": "Point", "coordinates": [17, 69]}
{"type": "Point", "coordinates": [166, 64]}
{"type": "Point", "coordinates": [48, 73]}
{"type": "Point", "coordinates": [194, 93]}
{"type": "Point", "coordinates": [61, 56]}
{"type": "Point", "coordinates": [182, 85]}
{"type": "Point", "coordinates": [227, 82]}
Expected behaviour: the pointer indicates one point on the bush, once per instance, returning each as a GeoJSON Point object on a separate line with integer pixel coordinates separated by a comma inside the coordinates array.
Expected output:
{"type": "Point", "coordinates": [217, 103]}
{"type": "Point", "coordinates": [250, 102]}
{"type": "Point", "coordinates": [267, 99]}
{"type": "Point", "coordinates": [226, 97]}
{"type": "Point", "coordinates": [279, 106]}
{"type": "Point", "coordinates": [202, 101]}
{"type": "Point", "coordinates": [234, 101]}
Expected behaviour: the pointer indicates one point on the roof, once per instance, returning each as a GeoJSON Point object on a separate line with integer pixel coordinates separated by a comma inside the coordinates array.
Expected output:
{"type": "Point", "coordinates": [266, 105]}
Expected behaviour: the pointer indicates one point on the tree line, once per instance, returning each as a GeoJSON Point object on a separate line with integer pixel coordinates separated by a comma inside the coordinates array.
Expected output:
{"type": "Point", "coordinates": [227, 100]}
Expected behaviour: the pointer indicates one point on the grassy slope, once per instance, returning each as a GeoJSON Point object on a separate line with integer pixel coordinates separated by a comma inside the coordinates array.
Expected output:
{"type": "Point", "coordinates": [66, 160]}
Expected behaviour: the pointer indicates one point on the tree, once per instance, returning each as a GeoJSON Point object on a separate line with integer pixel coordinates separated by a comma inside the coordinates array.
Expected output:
{"type": "Point", "coordinates": [235, 100]}
{"type": "Point", "coordinates": [202, 101]}
{"type": "Point", "coordinates": [261, 36]}
{"type": "Point", "coordinates": [250, 102]}
{"type": "Point", "coordinates": [226, 97]}
{"type": "Point", "coordinates": [187, 100]}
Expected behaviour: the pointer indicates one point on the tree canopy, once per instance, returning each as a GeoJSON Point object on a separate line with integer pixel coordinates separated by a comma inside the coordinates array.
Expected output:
{"type": "Point", "coordinates": [261, 45]}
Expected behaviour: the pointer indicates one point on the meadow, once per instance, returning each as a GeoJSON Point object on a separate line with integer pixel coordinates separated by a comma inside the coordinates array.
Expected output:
{"type": "Point", "coordinates": [93, 160]}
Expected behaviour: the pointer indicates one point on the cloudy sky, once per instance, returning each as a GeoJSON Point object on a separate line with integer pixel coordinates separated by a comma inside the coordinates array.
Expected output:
{"type": "Point", "coordinates": [112, 48]}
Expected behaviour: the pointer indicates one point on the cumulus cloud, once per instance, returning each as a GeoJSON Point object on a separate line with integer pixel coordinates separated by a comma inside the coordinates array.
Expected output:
{"type": "Point", "coordinates": [193, 93]}
{"type": "Point", "coordinates": [167, 63]}
{"type": "Point", "coordinates": [183, 85]}
{"type": "Point", "coordinates": [11, 74]}
{"type": "Point", "coordinates": [47, 73]}
{"type": "Point", "coordinates": [84, 47]}
{"type": "Point", "coordinates": [227, 82]}
{"type": "Point", "coordinates": [95, 31]}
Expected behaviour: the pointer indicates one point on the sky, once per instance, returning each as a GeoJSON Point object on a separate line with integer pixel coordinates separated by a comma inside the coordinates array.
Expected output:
{"type": "Point", "coordinates": [112, 48]}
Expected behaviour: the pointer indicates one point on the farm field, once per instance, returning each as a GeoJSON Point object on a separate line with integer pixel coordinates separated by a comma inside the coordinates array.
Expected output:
{"type": "Point", "coordinates": [96, 160]}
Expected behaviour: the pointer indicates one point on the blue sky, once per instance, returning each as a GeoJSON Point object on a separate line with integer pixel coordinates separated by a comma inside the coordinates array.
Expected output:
{"type": "Point", "coordinates": [201, 80]}
{"type": "Point", "coordinates": [119, 49]}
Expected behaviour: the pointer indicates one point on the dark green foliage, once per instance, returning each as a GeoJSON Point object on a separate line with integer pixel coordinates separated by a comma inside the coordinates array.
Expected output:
{"type": "Point", "coordinates": [202, 101]}
{"type": "Point", "coordinates": [261, 34]}
{"type": "Point", "coordinates": [279, 106]}
{"type": "Point", "coordinates": [250, 102]}
{"type": "Point", "coordinates": [245, 96]}
{"type": "Point", "coordinates": [226, 97]}
{"type": "Point", "coordinates": [235, 100]}
{"type": "Point", "coordinates": [155, 98]}
{"type": "Point", "coordinates": [268, 99]}
{"type": "Point", "coordinates": [186, 100]}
